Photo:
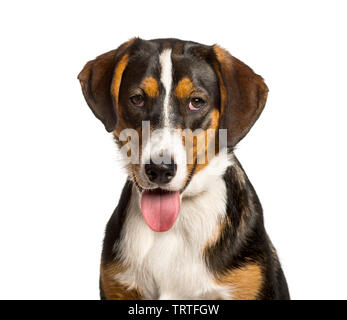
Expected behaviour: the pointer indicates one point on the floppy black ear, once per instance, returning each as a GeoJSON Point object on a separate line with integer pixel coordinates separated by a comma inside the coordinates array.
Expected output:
{"type": "Point", "coordinates": [243, 95]}
{"type": "Point", "coordinates": [96, 80]}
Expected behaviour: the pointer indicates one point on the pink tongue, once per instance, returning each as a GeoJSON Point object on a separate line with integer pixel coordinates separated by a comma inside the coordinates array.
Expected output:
{"type": "Point", "coordinates": [160, 209]}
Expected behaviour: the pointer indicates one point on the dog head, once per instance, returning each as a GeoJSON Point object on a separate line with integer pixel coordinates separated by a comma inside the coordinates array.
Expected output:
{"type": "Point", "coordinates": [172, 97]}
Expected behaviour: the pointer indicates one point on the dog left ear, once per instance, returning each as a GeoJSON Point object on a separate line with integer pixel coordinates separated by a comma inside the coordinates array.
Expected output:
{"type": "Point", "coordinates": [243, 95]}
{"type": "Point", "coordinates": [96, 81]}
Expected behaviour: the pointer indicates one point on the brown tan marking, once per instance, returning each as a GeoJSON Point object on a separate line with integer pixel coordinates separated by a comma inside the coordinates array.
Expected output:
{"type": "Point", "coordinates": [115, 89]}
{"type": "Point", "coordinates": [214, 116]}
{"type": "Point", "coordinates": [150, 87]}
{"type": "Point", "coordinates": [221, 55]}
{"type": "Point", "coordinates": [135, 168]}
{"type": "Point", "coordinates": [245, 282]}
{"type": "Point", "coordinates": [113, 289]}
{"type": "Point", "coordinates": [118, 75]}
{"type": "Point", "coordinates": [217, 234]}
{"type": "Point", "coordinates": [184, 88]}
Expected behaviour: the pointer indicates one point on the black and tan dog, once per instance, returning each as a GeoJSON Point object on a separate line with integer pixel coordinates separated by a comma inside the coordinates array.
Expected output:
{"type": "Point", "coordinates": [182, 229]}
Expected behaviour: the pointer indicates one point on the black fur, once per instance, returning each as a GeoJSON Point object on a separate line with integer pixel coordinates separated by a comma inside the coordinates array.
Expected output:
{"type": "Point", "coordinates": [238, 247]}
{"type": "Point", "coordinates": [114, 225]}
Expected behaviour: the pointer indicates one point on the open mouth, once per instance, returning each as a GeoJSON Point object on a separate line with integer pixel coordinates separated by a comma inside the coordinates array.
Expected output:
{"type": "Point", "coordinates": [160, 208]}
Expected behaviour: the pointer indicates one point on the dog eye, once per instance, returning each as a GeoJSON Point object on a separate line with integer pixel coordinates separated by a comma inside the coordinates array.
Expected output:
{"type": "Point", "coordinates": [137, 100]}
{"type": "Point", "coordinates": [196, 103]}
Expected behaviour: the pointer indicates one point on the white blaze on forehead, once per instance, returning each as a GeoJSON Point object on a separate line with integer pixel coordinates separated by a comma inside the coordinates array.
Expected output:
{"type": "Point", "coordinates": [165, 143]}
{"type": "Point", "coordinates": [166, 79]}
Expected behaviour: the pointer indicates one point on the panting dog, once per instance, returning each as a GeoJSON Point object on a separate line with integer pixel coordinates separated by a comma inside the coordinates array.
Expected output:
{"type": "Point", "coordinates": [188, 225]}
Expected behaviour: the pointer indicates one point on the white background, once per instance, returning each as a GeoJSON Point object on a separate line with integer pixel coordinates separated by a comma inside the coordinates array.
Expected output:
{"type": "Point", "coordinates": [59, 176]}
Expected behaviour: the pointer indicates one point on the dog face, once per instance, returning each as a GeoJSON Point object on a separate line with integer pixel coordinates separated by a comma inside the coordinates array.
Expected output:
{"type": "Point", "coordinates": [185, 92]}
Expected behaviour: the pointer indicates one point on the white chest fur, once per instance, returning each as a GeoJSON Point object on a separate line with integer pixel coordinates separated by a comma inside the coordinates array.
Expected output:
{"type": "Point", "coordinates": [170, 265]}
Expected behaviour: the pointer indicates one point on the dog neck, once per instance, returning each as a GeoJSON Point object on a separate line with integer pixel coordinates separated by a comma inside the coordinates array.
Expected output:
{"type": "Point", "coordinates": [204, 180]}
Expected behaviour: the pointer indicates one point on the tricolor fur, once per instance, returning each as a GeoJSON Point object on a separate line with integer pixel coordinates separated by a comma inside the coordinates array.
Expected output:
{"type": "Point", "coordinates": [217, 247]}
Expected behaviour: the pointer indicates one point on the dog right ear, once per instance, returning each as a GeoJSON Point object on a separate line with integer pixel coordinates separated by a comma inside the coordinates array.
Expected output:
{"type": "Point", "coordinates": [243, 95]}
{"type": "Point", "coordinates": [99, 77]}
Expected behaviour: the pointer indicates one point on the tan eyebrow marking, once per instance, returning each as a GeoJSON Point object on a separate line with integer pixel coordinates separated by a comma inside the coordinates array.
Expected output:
{"type": "Point", "coordinates": [150, 87]}
{"type": "Point", "coordinates": [184, 88]}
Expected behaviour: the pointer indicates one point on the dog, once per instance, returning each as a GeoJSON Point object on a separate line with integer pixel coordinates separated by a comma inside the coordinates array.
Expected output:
{"type": "Point", "coordinates": [182, 229]}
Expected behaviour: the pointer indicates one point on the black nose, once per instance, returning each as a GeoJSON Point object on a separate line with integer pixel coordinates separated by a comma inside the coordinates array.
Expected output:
{"type": "Point", "coordinates": [160, 173]}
